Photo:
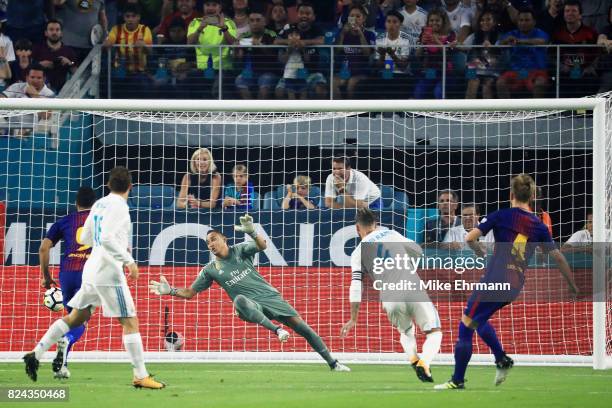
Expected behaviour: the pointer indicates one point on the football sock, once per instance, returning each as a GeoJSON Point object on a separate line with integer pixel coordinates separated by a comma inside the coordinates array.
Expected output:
{"type": "Point", "coordinates": [133, 345]}
{"type": "Point", "coordinates": [55, 332]}
{"type": "Point", "coordinates": [408, 342]}
{"type": "Point", "coordinates": [431, 346]}
{"type": "Point", "coordinates": [463, 352]}
{"type": "Point", "coordinates": [488, 335]}
{"type": "Point", "coordinates": [73, 336]}
{"type": "Point", "coordinates": [315, 342]}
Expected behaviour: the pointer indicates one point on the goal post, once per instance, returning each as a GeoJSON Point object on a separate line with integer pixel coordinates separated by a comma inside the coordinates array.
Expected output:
{"type": "Point", "coordinates": [412, 149]}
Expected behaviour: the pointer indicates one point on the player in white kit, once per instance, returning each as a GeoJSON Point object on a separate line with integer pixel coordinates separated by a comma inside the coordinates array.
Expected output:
{"type": "Point", "coordinates": [401, 314]}
{"type": "Point", "coordinates": [107, 230]}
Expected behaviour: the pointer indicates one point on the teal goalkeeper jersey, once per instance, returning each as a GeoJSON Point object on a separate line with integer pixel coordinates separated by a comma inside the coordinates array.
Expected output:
{"type": "Point", "coordinates": [236, 275]}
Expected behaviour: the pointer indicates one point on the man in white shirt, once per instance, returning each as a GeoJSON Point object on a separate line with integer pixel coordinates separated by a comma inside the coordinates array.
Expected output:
{"type": "Point", "coordinates": [107, 230]}
{"type": "Point", "coordinates": [34, 87]}
{"type": "Point", "coordinates": [460, 18]}
{"type": "Point", "coordinates": [349, 188]}
{"type": "Point", "coordinates": [470, 218]}
{"type": "Point", "coordinates": [415, 18]}
{"type": "Point", "coordinates": [411, 308]}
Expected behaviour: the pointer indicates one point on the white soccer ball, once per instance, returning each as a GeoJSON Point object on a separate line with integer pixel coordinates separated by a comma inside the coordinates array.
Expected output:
{"type": "Point", "coordinates": [53, 299]}
{"type": "Point", "coordinates": [173, 341]}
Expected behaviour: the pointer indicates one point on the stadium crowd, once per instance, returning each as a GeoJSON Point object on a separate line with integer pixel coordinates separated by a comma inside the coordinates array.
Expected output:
{"type": "Point", "coordinates": [381, 48]}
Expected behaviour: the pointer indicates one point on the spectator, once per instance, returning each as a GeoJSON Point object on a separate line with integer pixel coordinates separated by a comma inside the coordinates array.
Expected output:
{"type": "Point", "coordinates": [294, 82]}
{"type": "Point", "coordinates": [436, 229]}
{"type": "Point", "coordinates": [211, 31]}
{"type": "Point", "coordinates": [33, 87]}
{"type": "Point", "coordinates": [415, 18]}
{"type": "Point", "coordinates": [528, 65]}
{"type": "Point", "coordinates": [437, 33]}
{"type": "Point", "coordinates": [26, 19]}
{"type": "Point", "coordinates": [539, 211]}
{"type": "Point", "coordinates": [260, 65]}
{"type": "Point", "coordinates": [470, 218]}
{"type": "Point", "coordinates": [298, 195]}
{"type": "Point", "coordinates": [150, 10]}
{"type": "Point", "coordinates": [551, 18]}
{"type": "Point", "coordinates": [21, 65]}
{"type": "Point", "coordinates": [185, 11]}
{"type": "Point", "coordinates": [482, 62]}
{"type": "Point", "coordinates": [374, 16]}
{"type": "Point", "coordinates": [130, 60]}
{"type": "Point", "coordinates": [278, 18]}
{"type": "Point", "coordinates": [349, 188]}
{"type": "Point", "coordinates": [174, 64]}
{"type": "Point", "coordinates": [57, 58]}
{"type": "Point", "coordinates": [241, 19]}
{"type": "Point", "coordinates": [578, 64]}
{"type": "Point", "coordinates": [605, 61]}
{"type": "Point", "coordinates": [581, 241]}
{"type": "Point", "coordinates": [505, 13]}
{"type": "Point", "coordinates": [78, 19]}
{"type": "Point", "coordinates": [394, 48]}
{"type": "Point", "coordinates": [309, 35]}
{"type": "Point", "coordinates": [353, 62]}
{"type": "Point", "coordinates": [387, 5]}
{"type": "Point", "coordinates": [459, 17]}
{"type": "Point", "coordinates": [7, 54]}
{"type": "Point", "coordinates": [241, 194]}
{"type": "Point", "coordinates": [201, 187]}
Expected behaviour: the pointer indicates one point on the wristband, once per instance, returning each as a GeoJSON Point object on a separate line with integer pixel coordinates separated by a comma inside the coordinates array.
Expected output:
{"type": "Point", "coordinates": [253, 234]}
{"type": "Point", "coordinates": [173, 291]}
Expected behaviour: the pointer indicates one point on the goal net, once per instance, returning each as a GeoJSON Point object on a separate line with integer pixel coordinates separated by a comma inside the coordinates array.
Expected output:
{"type": "Point", "coordinates": [411, 150]}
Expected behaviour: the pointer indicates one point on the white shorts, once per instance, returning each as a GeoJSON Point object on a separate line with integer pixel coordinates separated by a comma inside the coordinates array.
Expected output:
{"type": "Point", "coordinates": [116, 301]}
{"type": "Point", "coordinates": [402, 314]}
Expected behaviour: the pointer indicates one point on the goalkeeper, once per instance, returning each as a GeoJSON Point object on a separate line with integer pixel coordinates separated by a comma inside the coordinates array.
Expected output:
{"type": "Point", "coordinates": [255, 300]}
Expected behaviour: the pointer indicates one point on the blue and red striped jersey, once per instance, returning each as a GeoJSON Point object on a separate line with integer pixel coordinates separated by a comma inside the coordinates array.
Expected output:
{"type": "Point", "coordinates": [69, 228]}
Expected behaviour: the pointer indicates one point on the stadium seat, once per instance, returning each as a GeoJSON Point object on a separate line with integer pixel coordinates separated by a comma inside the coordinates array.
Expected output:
{"type": "Point", "coordinates": [152, 196]}
{"type": "Point", "coordinates": [415, 221]}
{"type": "Point", "coordinates": [387, 194]}
{"type": "Point", "coordinates": [400, 201]}
{"type": "Point", "coordinates": [270, 202]}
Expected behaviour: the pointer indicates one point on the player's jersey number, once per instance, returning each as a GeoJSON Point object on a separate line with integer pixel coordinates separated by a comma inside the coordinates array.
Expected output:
{"type": "Point", "coordinates": [79, 240]}
{"type": "Point", "coordinates": [519, 247]}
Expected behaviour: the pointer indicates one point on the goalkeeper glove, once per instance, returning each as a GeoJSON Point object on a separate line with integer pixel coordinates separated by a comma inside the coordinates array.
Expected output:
{"type": "Point", "coordinates": [246, 226]}
{"type": "Point", "coordinates": [162, 287]}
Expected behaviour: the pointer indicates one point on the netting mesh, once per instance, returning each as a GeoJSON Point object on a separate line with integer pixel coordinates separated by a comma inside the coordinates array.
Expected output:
{"type": "Point", "coordinates": [410, 156]}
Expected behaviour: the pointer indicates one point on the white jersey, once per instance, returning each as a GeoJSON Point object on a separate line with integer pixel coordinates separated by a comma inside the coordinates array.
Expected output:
{"type": "Point", "coordinates": [461, 16]}
{"type": "Point", "coordinates": [358, 185]}
{"type": "Point", "coordinates": [108, 229]}
{"type": "Point", "coordinates": [414, 22]}
{"type": "Point", "coordinates": [458, 234]}
{"type": "Point", "coordinates": [400, 314]}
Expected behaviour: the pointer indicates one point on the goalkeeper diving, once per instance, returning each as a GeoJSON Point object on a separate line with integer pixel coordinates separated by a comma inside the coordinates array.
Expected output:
{"type": "Point", "coordinates": [255, 300]}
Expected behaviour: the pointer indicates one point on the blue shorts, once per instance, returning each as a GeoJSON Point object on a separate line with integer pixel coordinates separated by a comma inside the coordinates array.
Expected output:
{"type": "Point", "coordinates": [481, 305]}
{"type": "Point", "coordinates": [265, 80]}
{"type": "Point", "coordinates": [70, 282]}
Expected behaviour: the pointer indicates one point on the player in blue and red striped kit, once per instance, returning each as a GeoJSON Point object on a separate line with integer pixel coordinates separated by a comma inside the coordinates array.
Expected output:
{"type": "Point", "coordinates": [73, 260]}
{"type": "Point", "coordinates": [517, 233]}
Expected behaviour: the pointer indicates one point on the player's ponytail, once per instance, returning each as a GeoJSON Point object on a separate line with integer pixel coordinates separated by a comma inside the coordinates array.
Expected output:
{"type": "Point", "coordinates": [523, 188]}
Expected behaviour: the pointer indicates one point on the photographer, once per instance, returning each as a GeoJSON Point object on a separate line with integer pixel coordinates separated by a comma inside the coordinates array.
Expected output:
{"type": "Point", "coordinates": [56, 58]}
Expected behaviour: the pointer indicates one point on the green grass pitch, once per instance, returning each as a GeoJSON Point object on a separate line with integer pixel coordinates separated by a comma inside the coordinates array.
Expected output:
{"type": "Point", "coordinates": [313, 385]}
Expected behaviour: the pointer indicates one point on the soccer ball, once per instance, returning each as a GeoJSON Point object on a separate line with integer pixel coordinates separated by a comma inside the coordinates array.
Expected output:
{"type": "Point", "coordinates": [173, 341]}
{"type": "Point", "coordinates": [53, 299]}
